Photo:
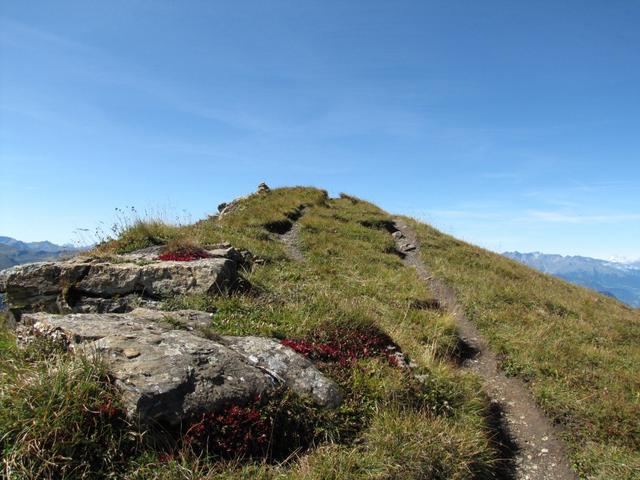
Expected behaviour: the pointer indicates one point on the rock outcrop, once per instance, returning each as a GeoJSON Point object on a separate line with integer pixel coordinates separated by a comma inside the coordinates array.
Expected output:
{"type": "Point", "coordinates": [115, 284]}
{"type": "Point", "coordinates": [291, 368]}
{"type": "Point", "coordinates": [169, 372]}
{"type": "Point", "coordinates": [168, 369]}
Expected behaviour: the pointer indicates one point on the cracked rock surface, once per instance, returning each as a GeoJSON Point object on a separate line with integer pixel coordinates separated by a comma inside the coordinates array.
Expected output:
{"type": "Point", "coordinates": [115, 284]}
{"type": "Point", "coordinates": [169, 372]}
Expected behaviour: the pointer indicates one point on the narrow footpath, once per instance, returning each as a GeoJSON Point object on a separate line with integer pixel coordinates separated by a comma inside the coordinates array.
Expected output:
{"type": "Point", "coordinates": [536, 451]}
{"type": "Point", "coordinates": [290, 240]}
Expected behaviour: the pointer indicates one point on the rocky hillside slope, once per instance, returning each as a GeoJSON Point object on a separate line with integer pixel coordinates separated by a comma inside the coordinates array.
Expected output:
{"type": "Point", "coordinates": [290, 337]}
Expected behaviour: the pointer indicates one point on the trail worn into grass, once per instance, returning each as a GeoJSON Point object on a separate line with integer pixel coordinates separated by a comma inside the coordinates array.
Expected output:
{"type": "Point", "coordinates": [290, 239]}
{"type": "Point", "coordinates": [537, 452]}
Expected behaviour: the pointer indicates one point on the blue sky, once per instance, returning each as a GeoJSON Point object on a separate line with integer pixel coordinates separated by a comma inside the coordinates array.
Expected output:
{"type": "Point", "coordinates": [514, 125]}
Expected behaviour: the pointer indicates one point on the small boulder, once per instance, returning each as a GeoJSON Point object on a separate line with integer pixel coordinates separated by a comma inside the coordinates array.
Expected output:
{"type": "Point", "coordinates": [407, 247]}
{"type": "Point", "coordinates": [290, 367]}
{"type": "Point", "coordinates": [169, 373]}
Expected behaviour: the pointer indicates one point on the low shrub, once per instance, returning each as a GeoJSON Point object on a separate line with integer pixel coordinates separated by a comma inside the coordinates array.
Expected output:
{"type": "Point", "coordinates": [270, 430]}
{"type": "Point", "coordinates": [183, 250]}
{"type": "Point", "coordinates": [237, 431]}
{"type": "Point", "coordinates": [345, 344]}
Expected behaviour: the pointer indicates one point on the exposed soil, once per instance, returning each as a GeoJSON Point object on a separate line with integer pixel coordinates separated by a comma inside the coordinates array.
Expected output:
{"type": "Point", "coordinates": [290, 238]}
{"type": "Point", "coordinates": [531, 442]}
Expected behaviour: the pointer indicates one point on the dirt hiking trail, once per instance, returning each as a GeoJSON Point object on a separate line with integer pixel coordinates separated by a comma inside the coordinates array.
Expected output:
{"type": "Point", "coordinates": [533, 444]}
{"type": "Point", "coordinates": [290, 239]}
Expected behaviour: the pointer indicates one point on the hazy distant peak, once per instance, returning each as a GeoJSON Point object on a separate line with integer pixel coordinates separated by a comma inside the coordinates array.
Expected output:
{"type": "Point", "coordinates": [42, 246]}
{"type": "Point", "coordinates": [615, 278]}
{"type": "Point", "coordinates": [15, 252]}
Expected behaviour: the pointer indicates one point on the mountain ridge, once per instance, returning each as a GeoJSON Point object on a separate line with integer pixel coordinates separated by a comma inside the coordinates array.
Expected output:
{"type": "Point", "coordinates": [613, 278]}
{"type": "Point", "coordinates": [16, 252]}
{"type": "Point", "coordinates": [410, 322]}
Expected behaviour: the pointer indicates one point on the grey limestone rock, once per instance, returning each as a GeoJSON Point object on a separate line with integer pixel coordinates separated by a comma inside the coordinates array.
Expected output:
{"type": "Point", "coordinates": [292, 368]}
{"type": "Point", "coordinates": [169, 372]}
{"type": "Point", "coordinates": [117, 283]}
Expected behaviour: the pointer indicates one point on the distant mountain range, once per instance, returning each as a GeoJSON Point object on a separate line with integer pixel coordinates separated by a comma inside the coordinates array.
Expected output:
{"type": "Point", "coordinates": [619, 279]}
{"type": "Point", "coordinates": [14, 252]}
{"type": "Point", "coordinates": [614, 278]}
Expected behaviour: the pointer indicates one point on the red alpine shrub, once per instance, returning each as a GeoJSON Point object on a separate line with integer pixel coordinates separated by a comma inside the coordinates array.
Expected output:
{"type": "Point", "coordinates": [235, 432]}
{"type": "Point", "coordinates": [166, 457]}
{"type": "Point", "coordinates": [345, 345]}
{"type": "Point", "coordinates": [107, 409]}
{"type": "Point", "coordinates": [184, 255]}
{"type": "Point", "coordinates": [301, 346]}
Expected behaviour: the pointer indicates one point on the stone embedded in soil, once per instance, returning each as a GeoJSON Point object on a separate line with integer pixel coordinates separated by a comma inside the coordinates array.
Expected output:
{"type": "Point", "coordinates": [285, 364]}
{"type": "Point", "coordinates": [404, 245]}
{"type": "Point", "coordinates": [171, 375]}
{"type": "Point", "coordinates": [117, 283]}
{"type": "Point", "coordinates": [407, 247]}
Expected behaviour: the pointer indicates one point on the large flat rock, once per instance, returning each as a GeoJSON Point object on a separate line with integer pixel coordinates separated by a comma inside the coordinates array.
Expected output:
{"type": "Point", "coordinates": [168, 372]}
{"type": "Point", "coordinates": [114, 284]}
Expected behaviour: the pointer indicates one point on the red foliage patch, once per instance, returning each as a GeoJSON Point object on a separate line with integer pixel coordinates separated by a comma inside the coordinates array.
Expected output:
{"type": "Point", "coordinates": [184, 255]}
{"type": "Point", "coordinates": [303, 347]}
{"type": "Point", "coordinates": [345, 345]}
{"type": "Point", "coordinates": [166, 457]}
{"type": "Point", "coordinates": [107, 409]}
{"type": "Point", "coordinates": [234, 432]}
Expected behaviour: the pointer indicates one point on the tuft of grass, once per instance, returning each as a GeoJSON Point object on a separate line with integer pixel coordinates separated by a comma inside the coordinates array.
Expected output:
{"type": "Point", "coordinates": [183, 249]}
{"type": "Point", "coordinates": [133, 230]}
{"type": "Point", "coordinates": [410, 444]}
{"type": "Point", "coordinates": [59, 416]}
{"type": "Point", "coordinates": [138, 235]}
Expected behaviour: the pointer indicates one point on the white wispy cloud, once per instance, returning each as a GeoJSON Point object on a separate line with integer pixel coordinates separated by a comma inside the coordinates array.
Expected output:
{"type": "Point", "coordinates": [458, 214]}
{"type": "Point", "coordinates": [16, 33]}
{"type": "Point", "coordinates": [496, 214]}
{"type": "Point", "coordinates": [576, 218]}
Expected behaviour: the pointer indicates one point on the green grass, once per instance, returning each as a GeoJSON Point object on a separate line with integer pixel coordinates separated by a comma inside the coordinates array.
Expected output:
{"type": "Point", "coordinates": [59, 416]}
{"type": "Point", "coordinates": [390, 426]}
{"type": "Point", "coordinates": [578, 351]}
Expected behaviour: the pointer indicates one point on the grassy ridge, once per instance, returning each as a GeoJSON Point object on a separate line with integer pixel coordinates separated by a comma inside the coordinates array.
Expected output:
{"type": "Point", "coordinates": [401, 428]}
{"type": "Point", "coordinates": [578, 350]}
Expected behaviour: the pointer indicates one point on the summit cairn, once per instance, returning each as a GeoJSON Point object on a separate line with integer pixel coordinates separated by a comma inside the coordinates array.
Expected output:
{"type": "Point", "coordinates": [227, 207]}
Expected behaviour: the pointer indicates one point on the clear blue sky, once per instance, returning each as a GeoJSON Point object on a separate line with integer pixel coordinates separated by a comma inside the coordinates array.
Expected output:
{"type": "Point", "coordinates": [515, 125]}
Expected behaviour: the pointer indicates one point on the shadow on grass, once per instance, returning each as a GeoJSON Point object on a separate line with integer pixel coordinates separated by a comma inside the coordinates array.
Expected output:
{"type": "Point", "coordinates": [464, 352]}
{"type": "Point", "coordinates": [502, 442]}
